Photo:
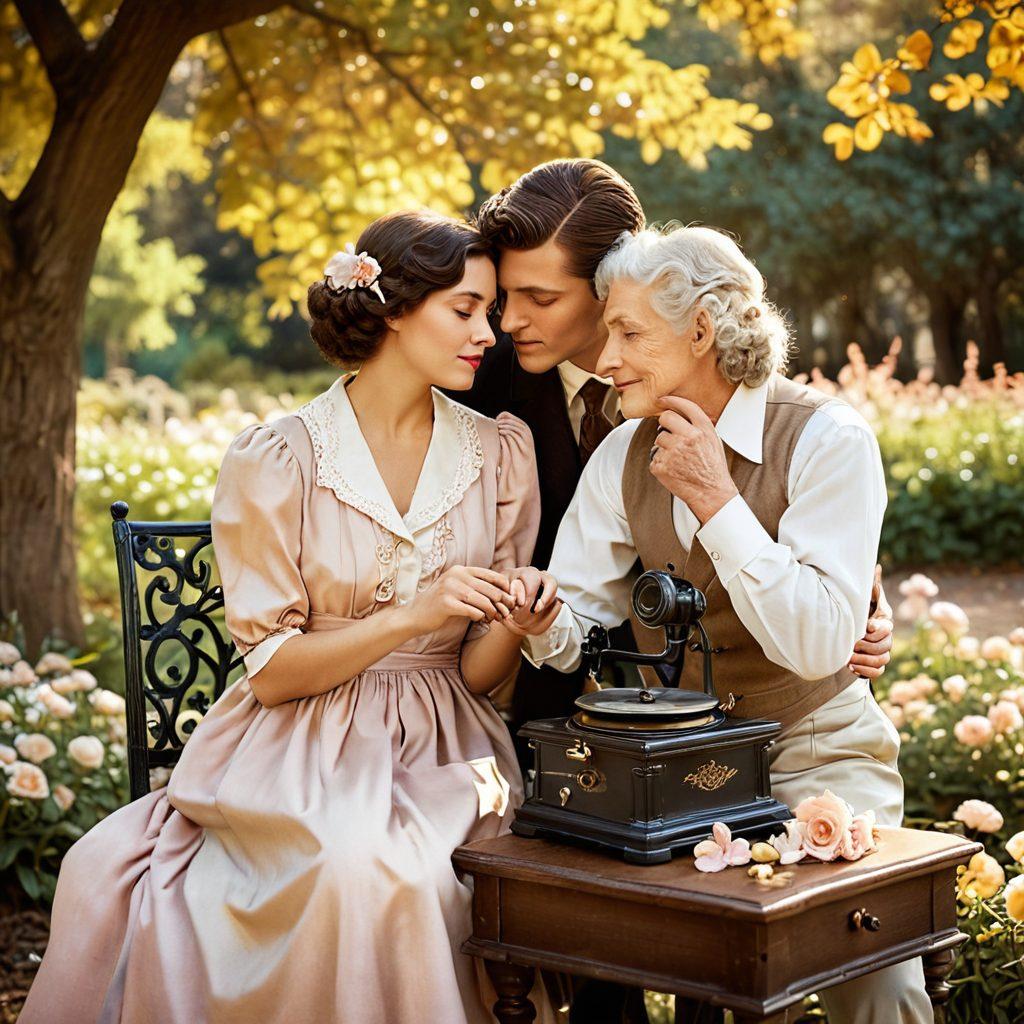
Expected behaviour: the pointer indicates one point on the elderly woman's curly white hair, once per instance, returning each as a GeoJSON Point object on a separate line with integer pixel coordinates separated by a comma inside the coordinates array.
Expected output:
{"type": "Point", "coordinates": [694, 267]}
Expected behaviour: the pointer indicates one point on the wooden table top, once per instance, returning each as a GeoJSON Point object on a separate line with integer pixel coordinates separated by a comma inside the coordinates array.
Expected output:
{"type": "Point", "coordinates": [902, 853]}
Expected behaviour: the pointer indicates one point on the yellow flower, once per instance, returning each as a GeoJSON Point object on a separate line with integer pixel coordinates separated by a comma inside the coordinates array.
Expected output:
{"type": "Point", "coordinates": [1015, 847]}
{"type": "Point", "coordinates": [1014, 897]}
{"type": "Point", "coordinates": [982, 879]}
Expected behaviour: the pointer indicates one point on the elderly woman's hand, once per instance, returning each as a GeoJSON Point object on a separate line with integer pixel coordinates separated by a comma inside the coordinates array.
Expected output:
{"type": "Point", "coordinates": [689, 458]}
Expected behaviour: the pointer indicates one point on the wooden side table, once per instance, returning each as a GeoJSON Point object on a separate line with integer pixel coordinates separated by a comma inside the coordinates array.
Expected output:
{"type": "Point", "coordinates": [723, 939]}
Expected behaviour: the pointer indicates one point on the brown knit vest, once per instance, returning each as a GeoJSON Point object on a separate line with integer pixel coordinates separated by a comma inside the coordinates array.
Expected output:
{"type": "Point", "coordinates": [740, 666]}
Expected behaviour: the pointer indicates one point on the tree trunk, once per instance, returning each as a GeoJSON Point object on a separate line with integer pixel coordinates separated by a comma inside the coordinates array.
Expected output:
{"type": "Point", "coordinates": [945, 317]}
{"type": "Point", "coordinates": [49, 235]}
{"type": "Point", "coordinates": [990, 339]}
{"type": "Point", "coordinates": [39, 370]}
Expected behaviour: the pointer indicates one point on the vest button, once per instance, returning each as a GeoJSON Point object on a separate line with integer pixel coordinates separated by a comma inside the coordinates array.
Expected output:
{"type": "Point", "coordinates": [715, 555]}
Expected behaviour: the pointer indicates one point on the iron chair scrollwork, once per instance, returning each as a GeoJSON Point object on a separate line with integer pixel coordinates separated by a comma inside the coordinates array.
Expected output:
{"type": "Point", "coordinates": [178, 657]}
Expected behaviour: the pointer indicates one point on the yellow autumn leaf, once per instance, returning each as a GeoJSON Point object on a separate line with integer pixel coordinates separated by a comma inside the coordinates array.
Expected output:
{"type": "Point", "coordinates": [650, 151]}
{"type": "Point", "coordinates": [840, 136]}
{"type": "Point", "coordinates": [916, 52]}
{"type": "Point", "coordinates": [867, 133]}
{"type": "Point", "coordinates": [963, 39]}
{"type": "Point", "coordinates": [867, 60]}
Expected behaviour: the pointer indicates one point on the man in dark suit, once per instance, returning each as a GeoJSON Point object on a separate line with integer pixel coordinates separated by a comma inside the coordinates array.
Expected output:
{"type": "Point", "coordinates": [552, 228]}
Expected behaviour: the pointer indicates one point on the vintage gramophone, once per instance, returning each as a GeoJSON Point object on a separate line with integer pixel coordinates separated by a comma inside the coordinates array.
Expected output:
{"type": "Point", "coordinates": [647, 770]}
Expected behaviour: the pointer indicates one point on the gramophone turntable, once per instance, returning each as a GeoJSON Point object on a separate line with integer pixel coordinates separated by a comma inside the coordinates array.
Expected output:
{"type": "Point", "coordinates": [647, 770]}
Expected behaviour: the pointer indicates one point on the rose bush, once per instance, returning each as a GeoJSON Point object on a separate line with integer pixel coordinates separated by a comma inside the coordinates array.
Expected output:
{"type": "Point", "coordinates": [62, 762]}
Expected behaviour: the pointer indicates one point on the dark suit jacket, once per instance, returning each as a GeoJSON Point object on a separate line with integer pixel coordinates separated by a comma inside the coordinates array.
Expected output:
{"type": "Point", "coordinates": [502, 385]}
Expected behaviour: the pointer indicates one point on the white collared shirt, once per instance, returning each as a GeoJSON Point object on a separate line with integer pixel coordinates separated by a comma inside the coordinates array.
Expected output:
{"type": "Point", "coordinates": [573, 378]}
{"type": "Point", "coordinates": [804, 598]}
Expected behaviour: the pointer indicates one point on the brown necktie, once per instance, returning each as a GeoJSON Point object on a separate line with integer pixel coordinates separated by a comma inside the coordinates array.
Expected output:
{"type": "Point", "coordinates": [595, 426]}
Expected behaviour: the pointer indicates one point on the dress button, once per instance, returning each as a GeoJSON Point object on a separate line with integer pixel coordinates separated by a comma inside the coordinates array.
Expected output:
{"type": "Point", "coordinates": [715, 555]}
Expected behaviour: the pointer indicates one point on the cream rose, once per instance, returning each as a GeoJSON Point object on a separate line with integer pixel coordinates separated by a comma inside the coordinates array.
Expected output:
{"type": "Point", "coordinates": [53, 662]}
{"type": "Point", "coordinates": [78, 681]}
{"type": "Point", "coordinates": [1016, 637]}
{"type": "Point", "coordinates": [106, 702]}
{"type": "Point", "coordinates": [6, 711]}
{"type": "Point", "coordinates": [861, 839]}
{"type": "Point", "coordinates": [86, 751]}
{"type": "Point", "coordinates": [824, 821]}
{"type": "Point", "coordinates": [28, 781]}
{"type": "Point", "coordinates": [35, 747]}
{"type": "Point", "coordinates": [5, 678]}
{"type": "Point", "coordinates": [949, 617]}
{"type": "Point", "coordinates": [968, 648]}
{"type": "Point", "coordinates": [997, 648]}
{"type": "Point", "coordinates": [894, 713]}
{"type": "Point", "coordinates": [58, 706]}
{"type": "Point", "coordinates": [954, 688]}
{"type": "Point", "coordinates": [63, 796]}
{"type": "Point", "coordinates": [9, 654]}
{"type": "Point", "coordinates": [902, 692]}
{"type": "Point", "coordinates": [979, 815]}
{"type": "Point", "coordinates": [1015, 846]}
{"type": "Point", "coordinates": [22, 674]}
{"type": "Point", "coordinates": [1005, 716]}
{"type": "Point", "coordinates": [983, 877]}
{"type": "Point", "coordinates": [8, 755]}
{"type": "Point", "coordinates": [973, 731]}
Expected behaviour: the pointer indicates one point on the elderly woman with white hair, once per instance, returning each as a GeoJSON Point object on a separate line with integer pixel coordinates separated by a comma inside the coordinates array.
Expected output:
{"type": "Point", "coordinates": [765, 494]}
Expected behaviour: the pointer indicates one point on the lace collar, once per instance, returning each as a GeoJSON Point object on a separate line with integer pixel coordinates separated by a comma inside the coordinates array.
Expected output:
{"type": "Point", "coordinates": [345, 464]}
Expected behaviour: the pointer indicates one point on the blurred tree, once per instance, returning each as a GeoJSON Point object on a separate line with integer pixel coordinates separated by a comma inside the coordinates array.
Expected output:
{"type": "Point", "coordinates": [322, 115]}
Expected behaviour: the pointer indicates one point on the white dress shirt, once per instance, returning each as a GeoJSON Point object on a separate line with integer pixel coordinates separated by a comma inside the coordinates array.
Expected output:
{"type": "Point", "coordinates": [573, 378]}
{"type": "Point", "coordinates": [804, 598]}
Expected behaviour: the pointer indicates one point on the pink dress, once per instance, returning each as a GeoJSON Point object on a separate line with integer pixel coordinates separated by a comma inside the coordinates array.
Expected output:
{"type": "Point", "coordinates": [297, 867]}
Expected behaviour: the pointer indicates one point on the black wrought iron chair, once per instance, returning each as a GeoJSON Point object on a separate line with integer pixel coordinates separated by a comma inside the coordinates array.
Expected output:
{"type": "Point", "coordinates": [178, 657]}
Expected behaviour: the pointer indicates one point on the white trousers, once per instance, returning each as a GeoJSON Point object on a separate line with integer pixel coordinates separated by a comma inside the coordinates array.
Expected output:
{"type": "Point", "coordinates": [850, 747]}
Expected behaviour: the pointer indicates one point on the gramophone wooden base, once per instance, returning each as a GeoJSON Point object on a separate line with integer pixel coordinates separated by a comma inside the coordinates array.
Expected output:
{"type": "Point", "coordinates": [650, 842]}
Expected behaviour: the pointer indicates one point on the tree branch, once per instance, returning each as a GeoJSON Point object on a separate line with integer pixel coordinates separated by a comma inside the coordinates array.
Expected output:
{"type": "Point", "coordinates": [383, 58]}
{"type": "Point", "coordinates": [6, 234]}
{"type": "Point", "coordinates": [211, 15]}
{"type": "Point", "coordinates": [57, 39]}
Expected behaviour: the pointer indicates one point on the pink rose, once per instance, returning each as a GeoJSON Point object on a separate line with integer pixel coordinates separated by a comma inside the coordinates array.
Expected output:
{"type": "Point", "coordinates": [28, 781]}
{"type": "Point", "coordinates": [722, 851]}
{"type": "Point", "coordinates": [106, 702]}
{"type": "Point", "coordinates": [1016, 638]}
{"type": "Point", "coordinates": [902, 692]}
{"type": "Point", "coordinates": [954, 688]}
{"type": "Point", "coordinates": [6, 711]}
{"type": "Point", "coordinates": [979, 815]}
{"type": "Point", "coordinates": [8, 755]}
{"type": "Point", "coordinates": [1005, 716]}
{"type": "Point", "coordinates": [825, 821]}
{"type": "Point", "coordinates": [86, 751]}
{"type": "Point", "coordinates": [22, 674]}
{"type": "Point", "coordinates": [58, 706]}
{"type": "Point", "coordinates": [894, 713]}
{"type": "Point", "coordinates": [949, 617]}
{"type": "Point", "coordinates": [9, 654]}
{"type": "Point", "coordinates": [63, 796]}
{"type": "Point", "coordinates": [1015, 695]}
{"type": "Point", "coordinates": [53, 662]}
{"type": "Point", "coordinates": [35, 747]}
{"type": "Point", "coordinates": [997, 648]}
{"type": "Point", "coordinates": [973, 731]}
{"type": "Point", "coordinates": [78, 680]}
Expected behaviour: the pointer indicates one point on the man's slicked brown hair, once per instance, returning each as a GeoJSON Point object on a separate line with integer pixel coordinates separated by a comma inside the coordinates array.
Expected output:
{"type": "Point", "coordinates": [584, 205]}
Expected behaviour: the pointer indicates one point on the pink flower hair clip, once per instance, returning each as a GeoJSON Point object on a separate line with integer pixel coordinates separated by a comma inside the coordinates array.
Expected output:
{"type": "Point", "coordinates": [349, 269]}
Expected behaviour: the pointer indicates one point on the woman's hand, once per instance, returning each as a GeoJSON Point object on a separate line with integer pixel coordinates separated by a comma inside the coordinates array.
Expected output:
{"type": "Point", "coordinates": [466, 592]}
{"type": "Point", "coordinates": [536, 603]}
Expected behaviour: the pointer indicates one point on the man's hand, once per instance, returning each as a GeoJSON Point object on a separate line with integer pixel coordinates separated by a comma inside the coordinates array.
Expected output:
{"type": "Point", "coordinates": [536, 602]}
{"type": "Point", "coordinates": [872, 652]}
{"type": "Point", "coordinates": [689, 458]}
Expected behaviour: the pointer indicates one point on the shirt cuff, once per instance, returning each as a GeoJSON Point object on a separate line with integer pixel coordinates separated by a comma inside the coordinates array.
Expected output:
{"type": "Point", "coordinates": [552, 641]}
{"type": "Point", "coordinates": [733, 537]}
{"type": "Point", "coordinates": [258, 657]}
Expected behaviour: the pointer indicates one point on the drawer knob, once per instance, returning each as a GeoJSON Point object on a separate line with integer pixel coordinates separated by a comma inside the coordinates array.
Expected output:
{"type": "Point", "coordinates": [862, 919]}
{"type": "Point", "coordinates": [563, 795]}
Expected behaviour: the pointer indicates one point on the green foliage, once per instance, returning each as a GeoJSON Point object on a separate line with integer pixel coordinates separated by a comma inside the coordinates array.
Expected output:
{"type": "Point", "coordinates": [935, 682]}
{"type": "Point", "coordinates": [54, 792]}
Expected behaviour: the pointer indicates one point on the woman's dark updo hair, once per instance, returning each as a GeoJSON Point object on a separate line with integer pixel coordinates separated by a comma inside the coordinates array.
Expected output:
{"type": "Point", "coordinates": [419, 252]}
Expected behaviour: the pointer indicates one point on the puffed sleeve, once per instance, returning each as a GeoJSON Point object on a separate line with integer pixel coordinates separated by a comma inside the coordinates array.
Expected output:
{"type": "Point", "coordinates": [256, 524]}
{"type": "Point", "coordinates": [518, 517]}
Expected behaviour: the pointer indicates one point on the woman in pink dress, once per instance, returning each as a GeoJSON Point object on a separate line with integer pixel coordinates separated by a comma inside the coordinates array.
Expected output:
{"type": "Point", "coordinates": [297, 866]}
